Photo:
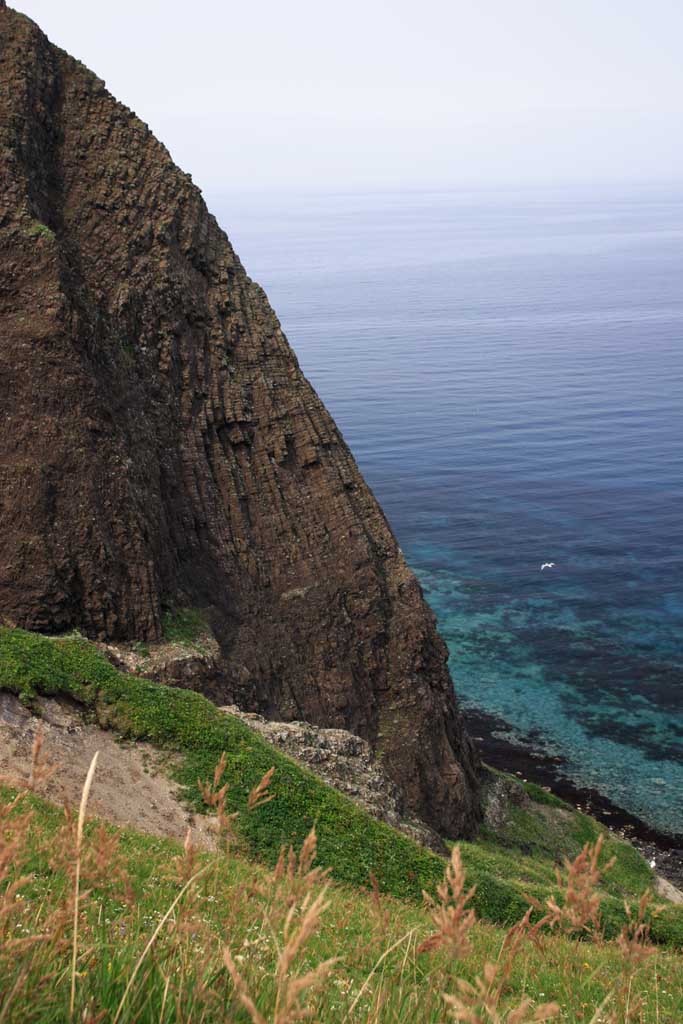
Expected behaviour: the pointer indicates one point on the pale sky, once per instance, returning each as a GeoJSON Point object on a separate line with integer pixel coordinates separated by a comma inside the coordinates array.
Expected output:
{"type": "Point", "coordinates": [392, 93]}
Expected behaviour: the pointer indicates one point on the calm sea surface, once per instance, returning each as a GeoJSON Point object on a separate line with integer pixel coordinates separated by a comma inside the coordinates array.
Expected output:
{"type": "Point", "coordinates": [508, 370]}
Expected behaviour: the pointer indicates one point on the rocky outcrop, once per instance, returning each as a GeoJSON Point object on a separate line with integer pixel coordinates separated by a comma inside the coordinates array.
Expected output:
{"type": "Point", "coordinates": [347, 763]}
{"type": "Point", "coordinates": [160, 446]}
{"type": "Point", "coordinates": [190, 666]}
{"type": "Point", "coordinates": [499, 794]}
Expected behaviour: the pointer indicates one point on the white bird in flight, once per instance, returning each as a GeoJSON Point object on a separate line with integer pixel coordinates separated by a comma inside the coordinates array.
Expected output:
{"type": "Point", "coordinates": [547, 565]}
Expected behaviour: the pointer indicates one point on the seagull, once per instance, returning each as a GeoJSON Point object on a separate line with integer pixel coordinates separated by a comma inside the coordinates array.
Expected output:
{"type": "Point", "coordinates": [547, 565]}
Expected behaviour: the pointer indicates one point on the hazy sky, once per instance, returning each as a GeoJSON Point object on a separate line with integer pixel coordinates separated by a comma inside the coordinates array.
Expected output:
{"type": "Point", "coordinates": [392, 93]}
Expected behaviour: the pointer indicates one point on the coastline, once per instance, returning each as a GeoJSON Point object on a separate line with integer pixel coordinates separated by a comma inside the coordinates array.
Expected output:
{"type": "Point", "coordinates": [534, 766]}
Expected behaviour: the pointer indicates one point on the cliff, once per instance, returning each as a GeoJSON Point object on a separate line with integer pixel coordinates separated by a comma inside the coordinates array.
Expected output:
{"type": "Point", "coordinates": [160, 447]}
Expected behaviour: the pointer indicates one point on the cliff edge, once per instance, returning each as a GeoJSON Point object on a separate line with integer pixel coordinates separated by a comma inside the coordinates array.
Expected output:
{"type": "Point", "coordinates": [160, 447]}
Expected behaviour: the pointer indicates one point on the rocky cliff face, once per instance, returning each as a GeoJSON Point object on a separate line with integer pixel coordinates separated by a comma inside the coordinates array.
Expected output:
{"type": "Point", "coordinates": [161, 448]}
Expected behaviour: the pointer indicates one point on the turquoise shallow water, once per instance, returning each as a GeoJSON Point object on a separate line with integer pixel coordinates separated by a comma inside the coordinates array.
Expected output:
{"type": "Point", "coordinates": [508, 370]}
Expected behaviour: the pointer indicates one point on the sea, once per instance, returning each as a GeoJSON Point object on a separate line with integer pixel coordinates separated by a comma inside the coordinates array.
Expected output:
{"type": "Point", "coordinates": [507, 368]}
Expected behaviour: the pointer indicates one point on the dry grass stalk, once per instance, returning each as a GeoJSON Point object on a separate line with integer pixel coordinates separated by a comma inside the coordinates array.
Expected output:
{"type": "Point", "coordinates": [291, 989]}
{"type": "Point", "coordinates": [77, 877]}
{"type": "Point", "coordinates": [41, 769]}
{"type": "Point", "coordinates": [242, 989]}
{"type": "Point", "coordinates": [633, 943]}
{"type": "Point", "coordinates": [102, 866]}
{"type": "Point", "coordinates": [185, 864]}
{"type": "Point", "coordinates": [214, 796]}
{"type": "Point", "coordinates": [634, 937]}
{"type": "Point", "coordinates": [296, 879]}
{"type": "Point", "coordinates": [451, 915]}
{"type": "Point", "coordinates": [579, 911]}
{"type": "Point", "coordinates": [380, 914]}
{"type": "Point", "coordinates": [259, 795]}
{"type": "Point", "coordinates": [480, 1003]}
{"type": "Point", "coordinates": [152, 940]}
{"type": "Point", "coordinates": [294, 876]}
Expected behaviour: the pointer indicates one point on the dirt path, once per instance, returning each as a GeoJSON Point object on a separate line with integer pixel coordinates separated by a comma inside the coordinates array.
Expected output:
{"type": "Point", "coordinates": [130, 788]}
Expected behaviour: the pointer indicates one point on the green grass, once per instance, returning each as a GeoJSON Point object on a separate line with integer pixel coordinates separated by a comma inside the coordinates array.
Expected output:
{"type": "Point", "coordinates": [184, 625]}
{"type": "Point", "coordinates": [380, 975]}
{"type": "Point", "coordinates": [540, 795]}
{"type": "Point", "coordinates": [519, 859]}
{"type": "Point", "coordinates": [39, 230]}
{"type": "Point", "coordinates": [350, 841]}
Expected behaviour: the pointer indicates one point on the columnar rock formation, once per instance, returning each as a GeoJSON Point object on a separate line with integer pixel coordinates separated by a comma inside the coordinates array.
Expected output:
{"type": "Point", "coordinates": [160, 446]}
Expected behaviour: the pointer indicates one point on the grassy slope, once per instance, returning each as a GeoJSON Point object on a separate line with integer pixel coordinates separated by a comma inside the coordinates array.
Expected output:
{"type": "Point", "coordinates": [230, 906]}
{"type": "Point", "coordinates": [350, 842]}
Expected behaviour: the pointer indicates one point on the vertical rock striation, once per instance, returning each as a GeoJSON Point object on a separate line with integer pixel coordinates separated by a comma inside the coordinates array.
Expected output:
{"type": "Point", "coordinates": [160, 446]}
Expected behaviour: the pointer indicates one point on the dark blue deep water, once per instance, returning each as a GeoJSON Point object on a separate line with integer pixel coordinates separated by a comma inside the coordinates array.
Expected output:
{"type": "Point", "coordinates": [508, 370]}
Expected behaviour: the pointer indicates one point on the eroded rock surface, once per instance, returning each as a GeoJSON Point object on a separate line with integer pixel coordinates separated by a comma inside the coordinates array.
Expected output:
{"type": "Point", "coordinates": [500, 794]}
{"type": "Point", "coordinates": [160, 446]}
{"type": "Point", "coordinates": [347, 763]}
{"type": "Point", "coordinates": [190, 666]}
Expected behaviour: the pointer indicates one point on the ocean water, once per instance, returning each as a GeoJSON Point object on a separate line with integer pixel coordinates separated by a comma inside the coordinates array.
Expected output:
{"type": "Point", "coordinates": [508, 370]}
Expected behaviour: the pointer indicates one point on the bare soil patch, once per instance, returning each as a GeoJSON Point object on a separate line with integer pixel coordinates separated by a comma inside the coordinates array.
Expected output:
{"type": "Point", "coordinates": [132, 787]}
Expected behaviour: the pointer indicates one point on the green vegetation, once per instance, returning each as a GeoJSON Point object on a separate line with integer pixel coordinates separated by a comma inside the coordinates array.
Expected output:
{"type": "Point", "coordinates": [522, 858]}
{"type": "Point", "coordinates": [350, 842]}
{"type": "Point", "coordinates": [519, 860]}
{"type": "Point", "coordinates": [39, 230]}
{"type": "Point", "coordinates": [542, 796]}
{"type": "Point", "coordinates": [392, 959]}
{"type": "Point", "coordinates": [184, 626]}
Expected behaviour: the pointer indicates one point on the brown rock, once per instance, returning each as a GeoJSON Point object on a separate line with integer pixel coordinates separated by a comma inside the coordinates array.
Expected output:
{"type": "Point", "coordinates": [160, 445]}
{"type": "Point", "coordinates": [195, 666]}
